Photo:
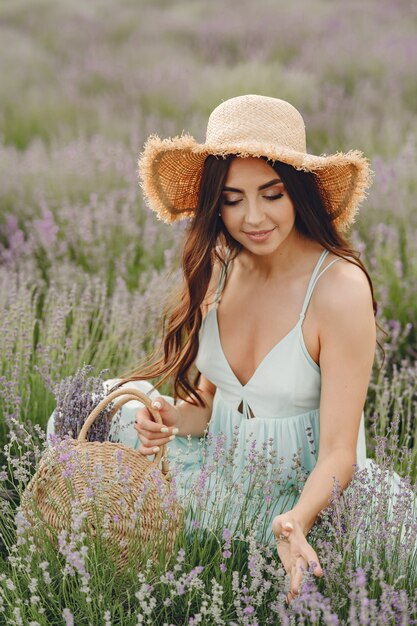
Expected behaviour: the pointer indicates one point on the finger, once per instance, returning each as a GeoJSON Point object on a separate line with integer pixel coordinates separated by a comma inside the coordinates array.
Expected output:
{"type": "Point", "coordinates": [153, 438]}
{"type": "Point", "coordinates": [314, 565]}
{"type": "Point", "coordinates": [317, 569]}
{"type": "Point", "coordinates": [144, 421]}
{"type": "Point", "coordinates": [290, 597]}
{"type": "Point", "coordinates": [144, 424]}
{"type": "Point", "coordinates": [160, 403]}
{"type": "Point", "coordinates": [147, 451]}
{"type": "Point", "coordinates": [297, 576]}
{"type": "Point", "coordinates": [287, 529]}
{"type": "Point", "coordinates": [279, 527]}
{"type": "Point", "coordinates": [282, 553]}
{"type": "Point", "coordinates": [311, 557]}
{"type": "Point", "coordinates": [145, 428]}
{"type": "Point", "coordinates": [151, 442]}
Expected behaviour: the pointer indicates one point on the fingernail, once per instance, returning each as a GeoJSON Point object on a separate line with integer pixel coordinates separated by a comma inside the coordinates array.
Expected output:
{"type": "Point", "coordinates": [156, 449]}
{"type": "Point", "coordinates": [289, 525]}
{"type": "Point", "coordinates": [157, 404]}
{"type": "Point", "coordinates": [164, 429]}
{"type": "Point", "coordinates": [171, 438]}
{"type": "Point", "coordinates": [175, 431]}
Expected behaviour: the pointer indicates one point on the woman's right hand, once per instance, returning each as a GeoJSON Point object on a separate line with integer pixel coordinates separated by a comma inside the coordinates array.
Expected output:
{"type": "Point", "coordinates": [153, 435]}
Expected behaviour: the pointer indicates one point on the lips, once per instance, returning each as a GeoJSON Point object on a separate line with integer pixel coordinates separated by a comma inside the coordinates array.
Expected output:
{"type": "Point", "coordinates": [259, 233]}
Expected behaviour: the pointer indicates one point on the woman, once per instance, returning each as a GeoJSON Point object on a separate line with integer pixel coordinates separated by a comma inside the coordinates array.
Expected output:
{"type": "Point", "coordinates": [283, 331]}
{"type": "Point", "coordinates": [276, 312]}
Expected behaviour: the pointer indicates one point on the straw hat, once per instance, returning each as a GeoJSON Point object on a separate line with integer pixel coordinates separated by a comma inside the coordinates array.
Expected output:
{"type": "Point", "coordinates": [251, 125]}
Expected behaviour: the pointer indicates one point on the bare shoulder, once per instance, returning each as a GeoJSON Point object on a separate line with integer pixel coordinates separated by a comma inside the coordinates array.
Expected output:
{"type": "Point", "coordinates": [343, 291]}
{"type": "Point", "coordinates": [344, 318]}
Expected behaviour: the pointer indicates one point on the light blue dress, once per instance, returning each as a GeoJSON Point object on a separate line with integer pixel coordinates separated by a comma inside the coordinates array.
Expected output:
{"type": "Point", "coordinates": [277, 409]}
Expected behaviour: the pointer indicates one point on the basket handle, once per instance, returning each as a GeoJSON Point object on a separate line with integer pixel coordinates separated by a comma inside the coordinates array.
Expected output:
{"type": "Point", "coordinates": [130, 393]}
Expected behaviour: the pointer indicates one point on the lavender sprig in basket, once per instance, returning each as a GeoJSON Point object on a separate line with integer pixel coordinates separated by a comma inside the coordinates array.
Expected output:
{"type": "Point", "coordinates": [76, 396]}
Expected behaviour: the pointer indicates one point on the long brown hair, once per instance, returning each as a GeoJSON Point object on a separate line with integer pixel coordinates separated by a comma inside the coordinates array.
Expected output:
{"type": "Point", "coordinates": [207, 240]}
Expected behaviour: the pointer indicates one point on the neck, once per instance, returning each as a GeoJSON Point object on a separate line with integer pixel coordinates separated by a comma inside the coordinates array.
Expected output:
{"type": "Point", "coordinates": [290, 256]}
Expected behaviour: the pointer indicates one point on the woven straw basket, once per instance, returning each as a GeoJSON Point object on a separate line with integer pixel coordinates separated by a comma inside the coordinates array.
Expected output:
{"type": "Point", "coordinates": [107, 479]}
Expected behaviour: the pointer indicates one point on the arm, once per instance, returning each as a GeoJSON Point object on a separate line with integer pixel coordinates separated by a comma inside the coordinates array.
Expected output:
{"type": "Point", "coordinates": [343, 306]}
{"type": "Point", "coordinates": [192, 419]}
{"type": "Point", "coordinates": [347, 347]}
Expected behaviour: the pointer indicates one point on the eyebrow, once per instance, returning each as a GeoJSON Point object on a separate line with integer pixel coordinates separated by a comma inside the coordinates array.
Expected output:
{"type": "Point", "coordinates": [264, 186]}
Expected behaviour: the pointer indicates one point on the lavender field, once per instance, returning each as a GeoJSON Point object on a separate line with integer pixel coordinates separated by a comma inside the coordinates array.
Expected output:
{"type": "Point", "coordinates": [85, 270]}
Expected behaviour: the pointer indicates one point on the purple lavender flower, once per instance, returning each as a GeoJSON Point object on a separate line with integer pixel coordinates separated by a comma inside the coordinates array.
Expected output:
{"type": "Point", "coordinates": [76, 396]}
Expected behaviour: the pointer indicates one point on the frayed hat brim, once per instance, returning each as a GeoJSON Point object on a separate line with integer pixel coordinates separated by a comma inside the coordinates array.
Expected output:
{"type": "Point", "coordinates": [170, 171]}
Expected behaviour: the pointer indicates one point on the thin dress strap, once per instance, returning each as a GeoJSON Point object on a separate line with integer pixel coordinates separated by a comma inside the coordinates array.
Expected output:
{"type": "Point", "coordinates": [222, 279]}
{"type": "Point", "coordinates": [314, 278]}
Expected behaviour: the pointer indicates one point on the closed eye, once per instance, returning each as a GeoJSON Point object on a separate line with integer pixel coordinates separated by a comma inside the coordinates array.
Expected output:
{"type": "Point", "coordinates": [276, 197]}
{"type": "Point", "coordinates": [231, 202]}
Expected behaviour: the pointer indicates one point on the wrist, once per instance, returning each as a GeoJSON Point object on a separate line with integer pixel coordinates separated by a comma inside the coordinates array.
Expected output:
{"type": "Point", "coordinates": [180, 417]}
{"type": "Point", "coordinates": [302, 521]}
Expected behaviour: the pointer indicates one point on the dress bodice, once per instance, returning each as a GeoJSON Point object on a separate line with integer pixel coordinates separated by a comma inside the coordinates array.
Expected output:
{"type": "Point", "coordinates": [282, 397]}
{"type": "Point", "coordinates": [287, 381]}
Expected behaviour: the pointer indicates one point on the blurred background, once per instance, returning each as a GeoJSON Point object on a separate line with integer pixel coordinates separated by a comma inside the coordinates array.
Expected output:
{"type": "Point", "coordinates": [83, 264]}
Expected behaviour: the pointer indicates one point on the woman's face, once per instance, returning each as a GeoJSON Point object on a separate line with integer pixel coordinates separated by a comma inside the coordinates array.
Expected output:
{"type": "Point", "coordinates": [255, 207]}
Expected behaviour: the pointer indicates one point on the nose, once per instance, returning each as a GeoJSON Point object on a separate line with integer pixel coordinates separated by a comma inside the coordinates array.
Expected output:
{"type": "Point", "coordinates": [254, 212]}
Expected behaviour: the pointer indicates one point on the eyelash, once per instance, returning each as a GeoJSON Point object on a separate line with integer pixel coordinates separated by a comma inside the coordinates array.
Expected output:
{"type": "Point", "coordinates": [270, 198]}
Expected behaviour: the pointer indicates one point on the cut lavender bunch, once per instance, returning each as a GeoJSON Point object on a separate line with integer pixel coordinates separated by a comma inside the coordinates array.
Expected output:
{"type": "Point", "coordinates": [76, 396]}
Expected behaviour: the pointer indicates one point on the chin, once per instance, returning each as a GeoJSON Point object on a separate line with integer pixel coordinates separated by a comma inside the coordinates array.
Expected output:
{"type": "Point", "coordinates": [262, 249]}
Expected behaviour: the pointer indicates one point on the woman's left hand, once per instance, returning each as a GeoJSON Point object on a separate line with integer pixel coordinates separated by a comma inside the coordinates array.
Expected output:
{"type": "Point", "coordinates": [294, 551]}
